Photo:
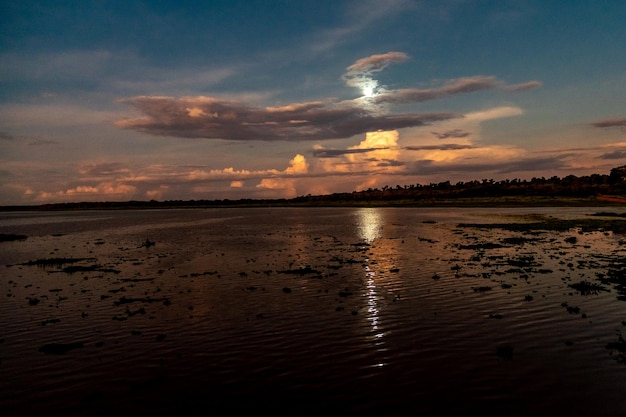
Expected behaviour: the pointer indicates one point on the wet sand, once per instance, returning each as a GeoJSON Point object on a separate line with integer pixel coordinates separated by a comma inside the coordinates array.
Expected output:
{"type": "Point", "coordinates": [154, 312]}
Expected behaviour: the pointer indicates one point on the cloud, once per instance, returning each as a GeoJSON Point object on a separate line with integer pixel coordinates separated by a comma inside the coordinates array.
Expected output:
{"type": "Point", "coordinates": [361, 75]}
{"type": "Point", "coordinates": [6, 136]}
{"type": "Point", "coordinates": [278, 187]}
{"type": "Point", "coordinates": [614, 155]}
{"type": "Point", "coordinates": [226, 174]}
{"type": "Point", "coordinates": [298, 166]}
{"type": "Point", "coordinates": [390, 163]}
{"type": "Point", "coordinates": [105, 169]}
{"type": "Point", "coordinates": [382, 155]}
{"type": "Point", "coordinates": [215, 118]}
{"type": "Point", "coordinates": [455, 133]}
{"type": "Point", "coordinates": [522, 86]}
{"type": "Point", "coordinates": [380, 139]}
{"type": "Point", "coordinates": [374, 63]}
{"type": "Point", "coordinates": [451, 87]}
{"type": "Point", "coordinates": [29, 141]}
{"type": "Point", "coordinates": [376, 161]}
{"type": "Point", "coordinates": [443, 147]}
{"type": "Point", "coordinates": [105, 70]}
{"type": "Point", "coordinates": [493, 113]}
{"type": "Point", "coordinates": [42, 142]}
{"type": "Point", "coordinates": [361, 72]}
{"type": "Point", "coordinates": [430, 167]}
{"type": "Point", "coordinates": [105, 190]}
{"type": "Point", "coordinates": [362, 15]}
{"type": "Point", "coordinates": [608, 123]}
{"type": "Point", "coordinates": [378, 149]}
{"type": "Point", "coordinates": [383, 146]}
{"type": "Point", "coordinates": [158, 193]}
{"type": "Point", "coordinates": [333, 153]}
{"type": "Point", "coordinates": [218, 118]}
{"type": "Point", "coordinates": [51, 115]}
{"type": "Point", "coordinates": [275, 184]}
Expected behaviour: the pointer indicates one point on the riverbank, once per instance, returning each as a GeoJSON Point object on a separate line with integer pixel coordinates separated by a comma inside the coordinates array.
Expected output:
{"type": "Point", "coordinates": [495, 202]}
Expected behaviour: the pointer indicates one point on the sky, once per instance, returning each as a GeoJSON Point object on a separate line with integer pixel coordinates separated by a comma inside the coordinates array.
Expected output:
{"type": "Point", "coordinates": [194, 100]}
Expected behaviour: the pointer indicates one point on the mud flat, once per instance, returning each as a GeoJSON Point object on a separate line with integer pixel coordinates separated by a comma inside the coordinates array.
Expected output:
{"type": "Point", "coordinates": [516, 311]}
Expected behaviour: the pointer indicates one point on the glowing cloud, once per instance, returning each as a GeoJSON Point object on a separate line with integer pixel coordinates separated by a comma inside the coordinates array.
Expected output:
{"type": "Point", "coordinates": [297, 165]}
{"type": "Point", "coordinates": [378, 140]}
{"type": "Point", "coordinates": [362, 71]}
{"type": "Point", "coordinates": [376, 150]}
{"type": "Point", "coordinates": [195, 112]}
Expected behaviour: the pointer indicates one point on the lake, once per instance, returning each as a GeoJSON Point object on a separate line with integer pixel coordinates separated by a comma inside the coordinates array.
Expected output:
{"type": "Point", "coordinates": [296, 310]}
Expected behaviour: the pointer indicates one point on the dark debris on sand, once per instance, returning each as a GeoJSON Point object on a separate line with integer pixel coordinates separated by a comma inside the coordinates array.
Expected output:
{"type": "Point", "coordinates": [11, 237]}
{"type": "Point", "coordinates": [60, 348]}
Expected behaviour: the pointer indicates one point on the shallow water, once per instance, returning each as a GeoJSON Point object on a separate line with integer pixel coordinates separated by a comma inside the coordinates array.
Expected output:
{"type": "Point", "coordinates": [395, 310]}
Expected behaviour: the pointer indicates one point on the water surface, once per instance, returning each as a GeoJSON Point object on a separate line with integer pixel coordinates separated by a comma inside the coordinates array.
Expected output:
{"type": "Point", "coordinates": [395, 310]}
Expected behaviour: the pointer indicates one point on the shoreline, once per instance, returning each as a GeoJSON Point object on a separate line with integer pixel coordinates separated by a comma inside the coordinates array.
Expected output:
{"type": "Point", "coordinates": [502, 202]}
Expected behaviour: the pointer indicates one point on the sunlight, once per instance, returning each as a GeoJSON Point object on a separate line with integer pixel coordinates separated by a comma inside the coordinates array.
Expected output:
{"type": "Point", "coordinates": [369, 88]}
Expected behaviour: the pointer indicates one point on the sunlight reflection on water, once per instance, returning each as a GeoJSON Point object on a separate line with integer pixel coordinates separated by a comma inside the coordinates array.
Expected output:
{"type": "Point", "coordinates": [370, 223]}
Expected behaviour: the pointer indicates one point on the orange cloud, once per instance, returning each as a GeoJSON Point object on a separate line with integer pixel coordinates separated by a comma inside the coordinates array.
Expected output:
{"type": "Point", "coordinates": [298, 165]}
{"type": "Point", "coordinates": [285, 187]}
{"type": "Point", "coordinates": [158, 193]}
{"type": "Point", "coordinates": [105, 190]}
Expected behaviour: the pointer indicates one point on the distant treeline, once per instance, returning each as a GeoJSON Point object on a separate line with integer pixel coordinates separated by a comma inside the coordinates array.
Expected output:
{"type": "Point", "coordinates": [570, 186]}
{"type": "Point", "coordinates": [522, 191]}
